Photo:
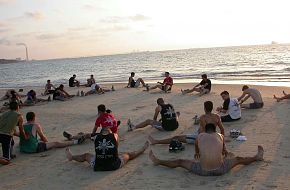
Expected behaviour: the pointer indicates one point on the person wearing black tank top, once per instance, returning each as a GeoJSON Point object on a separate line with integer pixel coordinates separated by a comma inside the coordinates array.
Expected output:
{"type": "Point", "coordinates": [168, 122]}
{"type": "Point", "coordinates": [106, 156]}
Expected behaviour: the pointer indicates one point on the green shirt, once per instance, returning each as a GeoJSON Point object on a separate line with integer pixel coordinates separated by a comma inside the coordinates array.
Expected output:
{"type": "Point", "coordinates": [28, 145]}
{"type": "Point", "coordinates": [8, 122]}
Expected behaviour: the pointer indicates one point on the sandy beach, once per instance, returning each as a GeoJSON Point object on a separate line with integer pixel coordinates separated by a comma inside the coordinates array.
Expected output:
{"type": "Point", "coordinates": [268, 127]}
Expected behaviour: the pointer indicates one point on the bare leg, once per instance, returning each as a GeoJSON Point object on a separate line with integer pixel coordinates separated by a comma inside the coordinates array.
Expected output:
{"type": "Point", "coordinates": [144, 124]}
{"type": "Point", "coordinates": [59, 144]}
{"type": "Point", "coordinates": [186, 164]}
{"type": "Point", "coordinates": [247, 106]}
{"type": "Point", "coordinates": [132, 155]}
{"type": "Point", "coordinates": [181, 138]}
{"type": "Point", "coordinates": [190, 90]}
{"type": "Point", "coordinates": [85, 135]}
{"type": "Point", "coordinates": [142, 81]}
{"type": "Point", "coordinates": [156, 86]}
{"type": "Point", "coordinates": [249, 160]}
{"type": "Point", "coordinates": [87, 157]}
{"type": "Point", "coordinates": [282, 98]}
{"type": "Point", "coordinates": [284, 93]}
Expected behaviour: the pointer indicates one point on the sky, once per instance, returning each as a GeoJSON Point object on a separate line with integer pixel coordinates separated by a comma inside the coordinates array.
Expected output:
{"type": "Point", "coordinates": [78, 28]}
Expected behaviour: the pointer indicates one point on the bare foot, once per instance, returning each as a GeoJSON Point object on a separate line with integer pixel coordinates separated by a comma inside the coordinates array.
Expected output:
{"type": "Point", "coordinates": [153, 158]}
{"type": "Point", "coordinates": [152, 141]}
{"type": "Point", "coordinates": [278, 99]}
{"type": "Point", "coordinates": [178, 113]}
{"type": "Point", "coordinates": [284, 93]}
{"type": "Point", "coordinates": [146, 145]}
{"type": "Point", "coordinates": [260, 153]}
{"type": "Point", "coordinates": [68, 154]}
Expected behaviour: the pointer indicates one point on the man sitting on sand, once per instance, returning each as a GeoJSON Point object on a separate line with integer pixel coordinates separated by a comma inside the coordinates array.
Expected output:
{"type": "Point", "coordinates": [203, 87]}
{"type": "Point", "coordinates": [32, 99]}
{"type": "Point", "coordinates": [72, 82]}
{"type": "Point", "coordinates": [254, 94]}
{"type": "Point", "coordinates": [231, 108]}
{"type": "Point", "coordinates": [61, 94]}
{"type": "Point", "coordinates": [210, 155]}
{"type": "Point", "coordinates": [105, 119]}
{"type": "Point", "coordinates": [8, 122]}
{"type": "Point", "coordinates": [286, 96]}
{"type": "Point", "coordinates": [205, 119]}
{"type": "Point", "coordinates": [49, 88]}
{"type": "Point", "coordinates": [90, 81]}
{"type": "Point", "coordinates": [169, 119]}
{"type": "Point", "coordinates": [106, 156]}
{"type": "Point", "coordinates": [96, 89]}
{"type": "Point", "coordinates": [33, 145]}
{"type": "Point", "coordinates": [166, 85]}
{"type": "Point", "coordinates": [135, 84]}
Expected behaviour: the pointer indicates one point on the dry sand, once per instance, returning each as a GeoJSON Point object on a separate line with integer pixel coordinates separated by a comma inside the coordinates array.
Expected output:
{"type": "Point", "coordinates": [268, 127]}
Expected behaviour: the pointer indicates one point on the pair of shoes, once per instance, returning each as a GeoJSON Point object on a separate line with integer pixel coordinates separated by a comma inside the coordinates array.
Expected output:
{"type": "Point", "coordinates": [67, 135]}
{"type": "Point", "coordinates": [130, 125]}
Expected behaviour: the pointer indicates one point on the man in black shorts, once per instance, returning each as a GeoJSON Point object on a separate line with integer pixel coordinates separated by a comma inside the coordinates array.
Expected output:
{"type": "Point", "coordinates": [231, 109]}
{"type": "Point", "coordinates": [169, 118]}
{"type": "Point", "coordinates": [106, 156]}
{"type": "Point", "coordinates": [135, 84]}
{"type": "Point", "coordinates": [8, 122]}
{"type": "Point", "coordinates": [204, 87]}
{"type": "Point", "coordinates": [33, 145]}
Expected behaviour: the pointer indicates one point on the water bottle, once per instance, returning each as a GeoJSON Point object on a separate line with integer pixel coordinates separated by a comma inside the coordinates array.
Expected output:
{"type": "Point", "coordinates": [196, 120]}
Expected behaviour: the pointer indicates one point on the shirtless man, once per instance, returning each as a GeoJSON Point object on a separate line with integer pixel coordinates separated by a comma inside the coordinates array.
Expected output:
{"type": "Point", "coordinates": [49, 88]}
{"type": "Point", "coordinates": [135, 84]}
{"type": "Point", "coordinates": [33, 145]}
{"type": "Point", "coordinates": [208, 117]}
{"type": "Point", "coordinates": [166, 85]}
{"type": "Point", "coordinates": [169, 119]}
{"type": "Point", "coordinates": [210, 156]}
{"type": "Point", "coordinates": [90, 81]}
{"type": "Point", "coordinates": [96, 89]}
{"type": "Point", "coordinates": [204, 87]}
{"type": "Point", "coordinates": [286, 96]}
{"type": "Point", "coordinates": [254, 94]}
{"type": "Point", "coordinates": [61, 94]}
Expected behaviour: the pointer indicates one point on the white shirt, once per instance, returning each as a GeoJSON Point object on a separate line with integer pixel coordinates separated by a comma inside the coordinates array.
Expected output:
{"type": "Point", "coordinates": [234, 109]}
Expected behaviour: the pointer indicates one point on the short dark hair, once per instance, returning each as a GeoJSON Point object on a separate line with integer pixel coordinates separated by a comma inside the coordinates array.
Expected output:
{"type": "Point", "coordinates": [167, 72]}
{"type": "Point", "coordinates": [208, 106]}
{"type": "Point", "coordinates": [48, 81]}
{"type": "Point", "coordinates": [225, 93]}
{"type": "Point", "coordinates": [160, 101]}
{"type": "Point", "coordinates": [61, 86]}
{"type": "Point", "coordinates": [74, 75]}
{"type": "Point", "coordinates": [13, 105]}
{"type": "Point", "coordinates": [204, 76]}
{"type": "Point", "coordinates": [30, 116]}
{"type": "Point", "coordinates": [245, 87]}
{"type": "Point", "coordinates": [132, 73]}
{"type": "Point", "coordinates": [210, 128]}
{"type": "Point", "coordinates": [101, 108]}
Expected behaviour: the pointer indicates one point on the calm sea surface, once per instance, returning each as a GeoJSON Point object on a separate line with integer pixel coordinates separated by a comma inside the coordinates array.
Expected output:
{"type": "Point", "coordinates": [263, 65]}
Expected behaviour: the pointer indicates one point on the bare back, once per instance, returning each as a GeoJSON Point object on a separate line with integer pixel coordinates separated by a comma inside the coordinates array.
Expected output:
{"type": "Point", "coordinates": [210, 150]}
{"type": "Point", "coordinates": [210, 118]}
{"type": "Point", "coordinates": [255, 95]}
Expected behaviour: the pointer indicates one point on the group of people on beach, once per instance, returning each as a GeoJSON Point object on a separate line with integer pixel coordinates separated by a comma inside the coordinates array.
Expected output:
{"type": "Point", "coordinates": [211, 155]}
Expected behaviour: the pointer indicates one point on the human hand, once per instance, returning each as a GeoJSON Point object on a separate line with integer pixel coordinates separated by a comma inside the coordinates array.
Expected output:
{"type": "Point", "coordinates": [197, 156]}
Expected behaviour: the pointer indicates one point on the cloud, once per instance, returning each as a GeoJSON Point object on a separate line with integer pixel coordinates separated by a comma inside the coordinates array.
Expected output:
{"type": "Point", "coordinates": [49, 36]}
{"type": "Point", "coordinates": [35, 15]}
{"type": "Point", "coordinates": [2, 2]}
{"type": "Point", "coordinates": [89, 7]}
{"type": "Point", "coordinates": [139, 17]}
{"type": "Point", "coordinates": [116, 19]}
{"type": "Point", "coordinates": [4, 41]}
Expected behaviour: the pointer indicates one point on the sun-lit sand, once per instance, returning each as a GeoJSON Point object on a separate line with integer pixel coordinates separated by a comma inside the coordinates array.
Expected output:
{"type": "Point", "coordinates": [268, 127]}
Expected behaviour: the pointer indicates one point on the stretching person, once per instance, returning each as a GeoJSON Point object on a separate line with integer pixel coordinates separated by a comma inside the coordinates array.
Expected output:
{"type": "Point", "coordinates": [286, 96]}
{"type": "Point", "coordinates": [254, 94]}
{"type": "Point", "coordinates": [210, 155]}
{"type": "Point", "coordinates": [166, 85]}
{"type": "Point", "coordinates": [90, 81]}
{"type": "Point", "coordinates": [204, 87]}
{"type": "Point", "coordinates": [61, 94]}
{"type": "Point", "coordinates": [49, 88]}
{"type": "Point", "coordinates": [169, 119]}
{"type": "Point", "coordinates": [32, 99]}
{"type": "Point", "coordinates": [8, 122]}
{"type": "Point", "coordinates": [205, 119]}
{"type": "Point", "coordinates": [33, 145]}
{"type": "Point", "coordinates": [96, 89]}
{"type": "Point", "coordinates": [105, 119]}
{"type": "Point", "coordinates": [231, 108]}
{"type": "Point", "coordinates": [135, 84]}
{"type": "Point", "coordinates": [106, 156]}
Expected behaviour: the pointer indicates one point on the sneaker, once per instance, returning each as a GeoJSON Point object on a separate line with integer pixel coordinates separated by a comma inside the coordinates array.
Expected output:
{"type": "Point", "coordinates": [81, 140]}
{"type": "Point", "coordinates": [78, 93]}
{"type": "Point", "coordinates": [49, 99]}
{"type": "Point", "coordinates": [130, 125]}
{"type": "Point", "coordinates": [67, 135]}
{"type": "Point", "coordinates": [82, 93]}
{"type": "Point", "coordinates": [113, 89]}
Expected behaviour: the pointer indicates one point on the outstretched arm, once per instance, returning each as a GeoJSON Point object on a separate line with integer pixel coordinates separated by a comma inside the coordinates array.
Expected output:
{"type": "Point", "coordinates": [196, 155]}
{"type": "Point", "coordinates": [247, 97]}
{"type": "Point", "coordinates": [157, 110]}
{"type": "Point", "coordinates": [21, 128]}
{"type": "Point", "coordinates": [241, 97]}
{"type": "Point", "coordinates": [220, 125]}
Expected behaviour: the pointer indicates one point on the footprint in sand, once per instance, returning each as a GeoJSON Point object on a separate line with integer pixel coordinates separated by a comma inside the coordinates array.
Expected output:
{"type": "Point", "coordinates": [138, 107]}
